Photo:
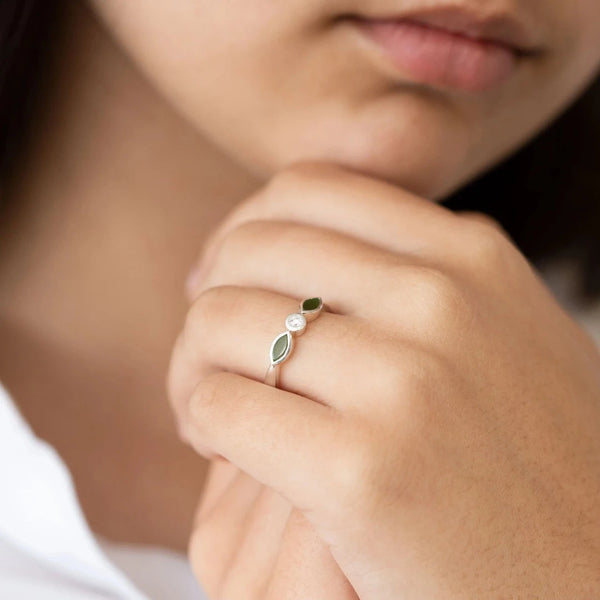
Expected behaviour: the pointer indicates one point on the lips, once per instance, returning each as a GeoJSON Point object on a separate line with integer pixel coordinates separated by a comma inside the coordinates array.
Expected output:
{"type": "Point", "coordinates": [450, 47]}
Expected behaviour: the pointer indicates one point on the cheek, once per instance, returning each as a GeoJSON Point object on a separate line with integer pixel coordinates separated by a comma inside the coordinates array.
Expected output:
{"type": "Point", "coordinates": [575, 56]}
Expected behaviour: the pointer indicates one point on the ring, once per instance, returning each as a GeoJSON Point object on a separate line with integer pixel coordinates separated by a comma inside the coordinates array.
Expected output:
{"type": "Point", "coordinates": [282, 345]}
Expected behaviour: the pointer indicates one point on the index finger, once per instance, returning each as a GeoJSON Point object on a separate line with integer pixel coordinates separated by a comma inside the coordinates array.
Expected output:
{"type": "Point", "coordinates": [331, 196]}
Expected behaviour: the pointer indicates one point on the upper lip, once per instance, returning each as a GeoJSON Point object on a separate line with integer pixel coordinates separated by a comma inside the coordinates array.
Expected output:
{"type": "Point", "coordinates": [500, 26]}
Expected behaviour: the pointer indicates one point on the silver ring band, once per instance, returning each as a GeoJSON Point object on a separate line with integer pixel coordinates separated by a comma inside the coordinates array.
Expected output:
{"type": "Point", "coordinates": [282, 345]}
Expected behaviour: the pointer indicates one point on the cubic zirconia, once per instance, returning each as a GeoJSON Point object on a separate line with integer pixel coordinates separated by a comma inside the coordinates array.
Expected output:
{"type": "Point", "coordinates": [295, 322]}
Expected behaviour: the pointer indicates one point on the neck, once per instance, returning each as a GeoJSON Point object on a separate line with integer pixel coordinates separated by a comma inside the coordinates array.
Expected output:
{"type": "Point", "coordinates": [105, 217]}
{"type": "Point", "coordinates": [117, 197]}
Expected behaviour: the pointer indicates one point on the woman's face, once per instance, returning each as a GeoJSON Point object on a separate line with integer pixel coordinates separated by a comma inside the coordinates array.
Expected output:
{"type": "Point", "coordinates": [274, 81]}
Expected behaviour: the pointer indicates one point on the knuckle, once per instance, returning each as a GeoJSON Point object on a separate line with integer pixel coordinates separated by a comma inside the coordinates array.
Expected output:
{"type": "Point", "coordinates": [248, 230]}
{"type": "Point", "coordinates": [206, 395]}
{"type": "Point", "coordinates": [236, 244]}
{"type": "Point", "coordinates": [174, 381]}
{"type": "Point", "coordinates": [403, 375]}
{"type": "Point", "coordinates": [206, 310]}
{"type": "Point", "coordinates": [390, 373]}
{"type": "Point", "coordinates": [374, 468]}
{"type": "Point", "coordinates": [487, 245]}
{"type": "Point", "coordinates": [255, 203]}
{"type": "Point", "coordinates": [172, 375]}
{"type": "Point", "coordinates": [400, 473]}
{"type": "Point", "coordinates": [397, 465]}
{"type": "Point", "coordinates": [440, 301]}
{"type": "Point", "coordinates": [482, 218]}
{"type": "Point", "coordinates": [202, 309]}
{"type": "Point", "coordinates": [425, 375]}
{"type": "Point", "coordinates": [413, 383]}
{"type": "Point", "coordinates": [350, 470]}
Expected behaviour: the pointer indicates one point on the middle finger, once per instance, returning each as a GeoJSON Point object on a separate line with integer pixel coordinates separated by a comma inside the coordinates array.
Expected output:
{"type": "Point", "coordinates": [355, 277]}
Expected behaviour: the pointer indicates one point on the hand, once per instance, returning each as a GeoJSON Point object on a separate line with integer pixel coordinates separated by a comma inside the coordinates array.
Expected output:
{"type": "Point", "coordinates": [249, 543]}
{"type": "Point", "coordinates": [437, 425]}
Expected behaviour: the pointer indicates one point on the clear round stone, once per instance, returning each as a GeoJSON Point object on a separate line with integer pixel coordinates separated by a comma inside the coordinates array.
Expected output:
{"type": "Point", "coordinates": [295, 322]}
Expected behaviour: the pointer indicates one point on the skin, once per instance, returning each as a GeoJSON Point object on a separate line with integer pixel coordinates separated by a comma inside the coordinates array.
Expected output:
{"type": "Point", "coordinates": [147, 85]}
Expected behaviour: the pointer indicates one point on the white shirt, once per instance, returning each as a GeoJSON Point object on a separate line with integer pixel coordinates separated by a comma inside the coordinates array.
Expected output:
{"type": "Point", "coordinates": [47, 550]}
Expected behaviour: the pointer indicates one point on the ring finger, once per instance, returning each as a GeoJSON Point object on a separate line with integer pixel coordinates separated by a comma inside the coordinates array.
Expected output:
{"type": "Point", "coordinates": [230, 328]}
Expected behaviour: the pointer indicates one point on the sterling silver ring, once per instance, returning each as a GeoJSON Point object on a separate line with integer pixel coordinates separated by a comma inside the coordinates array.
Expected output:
{"type": "Point", "coordinates": [282, 345]}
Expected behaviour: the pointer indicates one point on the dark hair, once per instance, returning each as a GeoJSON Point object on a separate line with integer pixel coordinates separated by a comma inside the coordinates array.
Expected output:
{"type": "Point", "coordinates": [546, 195]}
{"type": "Point", "coordinates": [26, 27]}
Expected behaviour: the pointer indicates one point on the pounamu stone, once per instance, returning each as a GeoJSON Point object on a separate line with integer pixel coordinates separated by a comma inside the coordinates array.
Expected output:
{"type": "Point", "coordinates": [311, 304]}
{"type": "Point", "coordinates": [281, 347]}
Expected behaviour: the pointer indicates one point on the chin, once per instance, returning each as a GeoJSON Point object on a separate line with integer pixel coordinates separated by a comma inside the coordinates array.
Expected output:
{"type": "Point", "coordinates": [426, 174]}
{"type": "Point", "coordinates": [420, 149]}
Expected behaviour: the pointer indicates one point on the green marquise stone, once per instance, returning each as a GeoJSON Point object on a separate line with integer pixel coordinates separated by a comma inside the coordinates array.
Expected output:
{"type": "Point", "coordinates": [280, 347]}
{"type": "Point", "coordinates": [311, 304]}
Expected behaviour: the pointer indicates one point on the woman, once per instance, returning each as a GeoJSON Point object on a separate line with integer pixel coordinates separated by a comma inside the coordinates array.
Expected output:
{"type": "Point", "coordinates": [434, 432]}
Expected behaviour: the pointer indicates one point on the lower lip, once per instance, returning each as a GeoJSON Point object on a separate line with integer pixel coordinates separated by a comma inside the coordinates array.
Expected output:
{"type": "Point", "coordinates": [440, 58]}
